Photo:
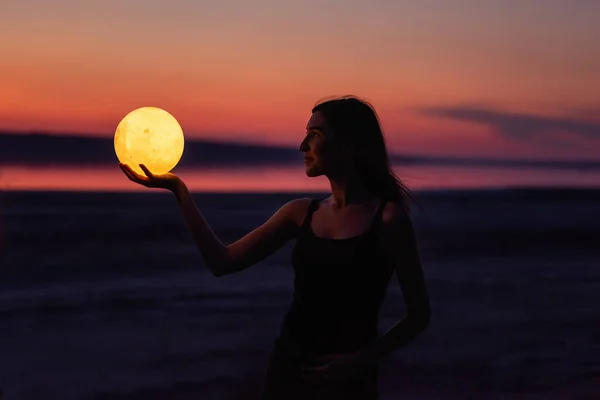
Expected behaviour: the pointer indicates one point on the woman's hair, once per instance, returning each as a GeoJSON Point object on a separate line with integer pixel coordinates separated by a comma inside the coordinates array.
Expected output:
{"type": "Point", "coordinates": [355, 121]}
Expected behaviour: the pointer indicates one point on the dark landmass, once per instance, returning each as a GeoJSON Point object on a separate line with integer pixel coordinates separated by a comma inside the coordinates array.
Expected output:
{"type": "Point", "coordinates": [41, 149]}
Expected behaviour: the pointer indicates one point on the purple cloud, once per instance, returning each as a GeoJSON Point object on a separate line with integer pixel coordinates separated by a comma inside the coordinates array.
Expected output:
{"type": "Point", "coordinates": [517, 125]}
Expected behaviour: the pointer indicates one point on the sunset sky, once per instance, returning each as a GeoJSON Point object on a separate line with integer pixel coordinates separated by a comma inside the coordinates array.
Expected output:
{"type": "Point", "coordinates": [466, 77]}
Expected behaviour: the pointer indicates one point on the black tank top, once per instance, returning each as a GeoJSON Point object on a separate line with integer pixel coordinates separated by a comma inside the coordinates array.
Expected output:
{"type": "Point", "coordinates": [339, 287]}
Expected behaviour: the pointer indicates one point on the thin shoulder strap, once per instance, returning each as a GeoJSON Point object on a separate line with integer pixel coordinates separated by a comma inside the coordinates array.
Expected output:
{"type": "Point", "coordinates": [379, 213]}
{"type": "Point", "coordinates": [314, 204]}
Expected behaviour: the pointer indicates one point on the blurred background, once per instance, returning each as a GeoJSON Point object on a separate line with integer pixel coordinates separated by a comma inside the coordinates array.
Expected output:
{"type": "Point", "coordinates": [491, 116]}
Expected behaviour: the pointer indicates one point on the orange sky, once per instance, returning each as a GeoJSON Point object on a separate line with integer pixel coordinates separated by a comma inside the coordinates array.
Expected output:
{"type": "Point", "coordinates": [251, 71]}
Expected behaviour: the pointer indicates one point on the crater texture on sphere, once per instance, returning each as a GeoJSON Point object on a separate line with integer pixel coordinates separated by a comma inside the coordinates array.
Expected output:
{"type": "Point", "coordinates": [149, 136]}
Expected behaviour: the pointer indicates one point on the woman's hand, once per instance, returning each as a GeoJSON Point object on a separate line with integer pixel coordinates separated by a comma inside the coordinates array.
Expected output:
{"type": "Point", "coordinates": [334, 368]}
{"type": "Point", "coordinates": [167, 181]}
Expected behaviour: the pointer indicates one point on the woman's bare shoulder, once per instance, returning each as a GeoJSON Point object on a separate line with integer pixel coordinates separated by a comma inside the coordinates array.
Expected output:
{"type": "Point", "coordinates": [394, 211]}
{"type": "Point", "coordinates": [296, 209]}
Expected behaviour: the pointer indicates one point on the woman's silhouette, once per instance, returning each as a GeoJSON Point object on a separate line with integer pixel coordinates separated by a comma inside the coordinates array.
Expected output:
{"type": "Point", "coordinates": [347, 247]}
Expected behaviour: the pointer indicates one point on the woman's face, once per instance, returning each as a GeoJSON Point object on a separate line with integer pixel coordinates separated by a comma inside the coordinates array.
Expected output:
{"type": "Point", "coordinates": [323, 152]}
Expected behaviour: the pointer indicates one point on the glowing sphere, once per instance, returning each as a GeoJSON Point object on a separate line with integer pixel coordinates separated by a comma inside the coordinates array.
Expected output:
{"type": "Point", "coordinates": [149, 136]}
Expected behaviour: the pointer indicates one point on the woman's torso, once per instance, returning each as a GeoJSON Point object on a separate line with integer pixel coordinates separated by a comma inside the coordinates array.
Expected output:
{"type": "Point", "coordinates": [339, 286]}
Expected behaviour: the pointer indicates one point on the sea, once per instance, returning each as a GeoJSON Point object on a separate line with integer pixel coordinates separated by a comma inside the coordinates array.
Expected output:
{"type": "Point", "coordinates": [103, 294]}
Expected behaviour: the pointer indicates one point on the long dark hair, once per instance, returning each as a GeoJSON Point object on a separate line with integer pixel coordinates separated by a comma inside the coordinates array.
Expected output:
{"type": "Point", "coordinates": [355, 121]}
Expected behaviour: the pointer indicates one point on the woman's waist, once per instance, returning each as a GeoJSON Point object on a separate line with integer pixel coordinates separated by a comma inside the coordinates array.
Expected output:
{"type": "Point", "coordinates": [305, 343]}
{"type": "Point", "coordinates": [318, 327]}
{"type": "Point", "coordinates": [334, 310]}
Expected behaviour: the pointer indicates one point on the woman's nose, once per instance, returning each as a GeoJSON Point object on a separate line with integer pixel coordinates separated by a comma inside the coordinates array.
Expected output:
{"type": "Point", "coordinates": [304, 145]}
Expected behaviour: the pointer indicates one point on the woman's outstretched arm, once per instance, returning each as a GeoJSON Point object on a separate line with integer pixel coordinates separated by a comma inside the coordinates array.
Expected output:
{"type": "Point", "coordinates": [263, 241]}
{"type": "Point", "coordinates": [225, 259]}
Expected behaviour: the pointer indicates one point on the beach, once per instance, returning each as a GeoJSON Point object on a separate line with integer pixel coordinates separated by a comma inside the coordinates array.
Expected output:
{"type": "Point", "coordinates": [104, 296]}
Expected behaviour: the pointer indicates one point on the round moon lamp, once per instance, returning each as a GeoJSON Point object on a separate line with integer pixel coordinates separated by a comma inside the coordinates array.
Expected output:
{"type": "Point", "coordinates": [149, 136]}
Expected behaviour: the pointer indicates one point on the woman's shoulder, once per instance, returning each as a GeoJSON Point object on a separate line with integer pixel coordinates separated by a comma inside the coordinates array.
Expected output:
{"type": "Point", "coordinates": [296, 209]}
{"type": "Point", "coordinates": [394, 211]}
{"type": "Point", "coordinates": [300, 203]}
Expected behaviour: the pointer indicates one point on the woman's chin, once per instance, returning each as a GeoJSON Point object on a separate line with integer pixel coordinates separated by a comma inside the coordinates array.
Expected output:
{"type": "Point", "coordinates": [311, 173]}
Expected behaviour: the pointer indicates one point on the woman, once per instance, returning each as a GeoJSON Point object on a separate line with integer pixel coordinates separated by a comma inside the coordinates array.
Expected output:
{"type": "Point", "coordinates": [347, 247]}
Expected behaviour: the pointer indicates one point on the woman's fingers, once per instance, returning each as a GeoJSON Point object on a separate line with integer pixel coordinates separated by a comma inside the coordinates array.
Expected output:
{"type": "Point", "coordinates": [146, 171]}
{"type": "Point", "coordinates": [129, 171]}
{"type": "Point", "coordinates": [134, 176]}
{"type": "Point", "coordinates": [126, 171]}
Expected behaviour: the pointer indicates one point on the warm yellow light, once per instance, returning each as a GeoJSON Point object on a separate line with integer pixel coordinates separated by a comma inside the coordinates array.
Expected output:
{"type": "Point", "coordinates": [149, 136]}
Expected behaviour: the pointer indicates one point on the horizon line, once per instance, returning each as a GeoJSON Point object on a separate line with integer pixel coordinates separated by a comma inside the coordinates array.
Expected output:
{"type": "Point", "coordinates": [399, 158]}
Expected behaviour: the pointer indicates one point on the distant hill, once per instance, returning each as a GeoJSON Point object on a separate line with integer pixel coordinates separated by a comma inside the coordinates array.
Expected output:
{"type": "Point", "coordinates": [41, 149]}
{"type": "Point", "coordinates": [46, 149]}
